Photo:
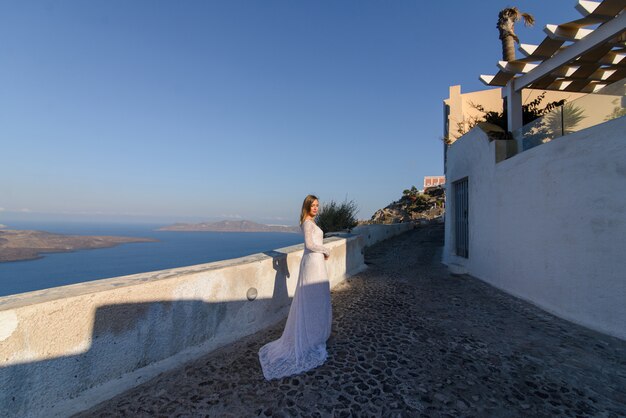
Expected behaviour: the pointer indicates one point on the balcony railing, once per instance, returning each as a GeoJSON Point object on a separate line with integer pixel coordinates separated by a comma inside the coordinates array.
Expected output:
{"type": "Point", "coordinates": [590, 110]}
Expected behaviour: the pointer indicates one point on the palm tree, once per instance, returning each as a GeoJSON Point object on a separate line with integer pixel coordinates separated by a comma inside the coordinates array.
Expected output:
{"type": "Point", "coordinates": [506, 26]}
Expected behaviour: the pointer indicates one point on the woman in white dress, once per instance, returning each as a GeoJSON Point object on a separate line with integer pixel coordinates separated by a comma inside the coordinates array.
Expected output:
{"type": "Point", "coordinates": [303, 344]}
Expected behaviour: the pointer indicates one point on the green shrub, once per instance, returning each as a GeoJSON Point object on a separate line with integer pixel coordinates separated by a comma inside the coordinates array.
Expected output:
{"type": "Point", "coordinates": [410, 193]}
{"type": "Point", "coordinates": [419, 203]}
{"type": "Point", "coordinates": [334, 217]}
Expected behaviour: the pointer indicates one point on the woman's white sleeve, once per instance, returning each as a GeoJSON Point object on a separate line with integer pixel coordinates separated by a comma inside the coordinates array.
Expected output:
{"type": "Point", "coordinates": [309, 228]}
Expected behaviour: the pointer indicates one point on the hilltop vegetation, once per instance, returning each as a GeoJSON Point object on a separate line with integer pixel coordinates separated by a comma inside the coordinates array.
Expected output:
{"type": "Point", "coordinates": [413, 206]}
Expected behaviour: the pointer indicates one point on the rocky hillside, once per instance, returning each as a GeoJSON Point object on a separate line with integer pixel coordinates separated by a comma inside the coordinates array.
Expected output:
{"type": "Point", "coordinates": [413, 206]}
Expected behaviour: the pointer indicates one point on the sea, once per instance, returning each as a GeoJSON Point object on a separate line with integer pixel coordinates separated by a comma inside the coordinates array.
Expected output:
{"type": "Point", "coordinates": [173, 249]}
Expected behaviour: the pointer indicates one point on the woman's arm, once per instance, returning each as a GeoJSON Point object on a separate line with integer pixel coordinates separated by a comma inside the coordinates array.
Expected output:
{"type": "Point", "coordinates": [309, 228]}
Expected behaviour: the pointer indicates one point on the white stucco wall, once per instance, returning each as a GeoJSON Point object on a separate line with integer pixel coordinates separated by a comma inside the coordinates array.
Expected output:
{"type": "Point", "coordinates": [548, 225]}
{"type": "Point", "coordinates": [377, 232]}
{"type": "Point", "coordinates": [65, 349]}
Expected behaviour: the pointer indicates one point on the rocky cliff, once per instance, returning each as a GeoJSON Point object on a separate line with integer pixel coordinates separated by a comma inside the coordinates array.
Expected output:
{"type": "Point", "coordinates": [413, 206]}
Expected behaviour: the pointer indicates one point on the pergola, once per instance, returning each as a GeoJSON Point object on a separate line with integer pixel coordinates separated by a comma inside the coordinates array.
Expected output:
{"type": "Point", "coordinates": [579, 56]}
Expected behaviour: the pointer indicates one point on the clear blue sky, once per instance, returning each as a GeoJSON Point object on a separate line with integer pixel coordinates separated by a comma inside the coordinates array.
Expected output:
{"type": "Point", "coordinates": [205, 110]}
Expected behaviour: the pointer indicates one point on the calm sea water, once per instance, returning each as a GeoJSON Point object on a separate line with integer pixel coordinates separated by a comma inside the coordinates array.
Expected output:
{"type": "Point", "coordinates": [173, 249]}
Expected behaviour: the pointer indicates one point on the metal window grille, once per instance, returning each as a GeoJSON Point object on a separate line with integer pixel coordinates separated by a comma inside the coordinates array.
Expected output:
{"type": "Point", "coordinates": [461, 229]}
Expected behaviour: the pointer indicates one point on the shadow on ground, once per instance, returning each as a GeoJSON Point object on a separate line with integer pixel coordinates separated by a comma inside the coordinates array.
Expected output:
{"type": "Point", "coordinates": [409, 340]}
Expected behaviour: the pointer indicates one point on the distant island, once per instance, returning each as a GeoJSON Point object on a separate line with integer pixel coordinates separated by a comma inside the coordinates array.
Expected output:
{"type": "Point", "coordinates": [18, 245]}
{"type": "Point", "coordinates": [230, 226]}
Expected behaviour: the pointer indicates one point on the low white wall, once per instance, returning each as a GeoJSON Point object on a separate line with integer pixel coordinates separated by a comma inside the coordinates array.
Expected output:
{"type": "Point", "coordinates": [65, 349]}
{"type": "Point", "coordinates": [113, 334]}
{"type": "Point", "coordinates": [377, 232]}
{"type": "Point", "coordinates": [549, 224]}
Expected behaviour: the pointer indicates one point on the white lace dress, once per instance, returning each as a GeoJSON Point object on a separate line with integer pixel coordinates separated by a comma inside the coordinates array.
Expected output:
{"type": "Point", "coordinates": [303, 344]}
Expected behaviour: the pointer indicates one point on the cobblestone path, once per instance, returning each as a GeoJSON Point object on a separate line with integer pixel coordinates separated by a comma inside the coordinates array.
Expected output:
{"type": "Point", "coordinates": [409, 340]}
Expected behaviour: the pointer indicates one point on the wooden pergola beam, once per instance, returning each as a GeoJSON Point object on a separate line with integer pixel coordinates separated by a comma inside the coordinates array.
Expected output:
{"type": "Point", "coordinates": [606, 8]}
{"type": "Point", "coordinates": [595, 58]}
{"type": "Point", "coordinates": [540, 52]}
{"type": "Point", "coordinates": [499, 80]}
{"type": "Point", "coordinates": [597, 37]}
{"type": "Point", "coordinates": [585, 8]}
{"type": "Point", "coordinates": [563, 33]}
{"type": "Point", "coordinates": [515, 67]}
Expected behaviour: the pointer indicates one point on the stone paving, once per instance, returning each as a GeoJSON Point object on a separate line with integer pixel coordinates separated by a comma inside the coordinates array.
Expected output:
{"type": "Point", "coordinates": [409, 340]}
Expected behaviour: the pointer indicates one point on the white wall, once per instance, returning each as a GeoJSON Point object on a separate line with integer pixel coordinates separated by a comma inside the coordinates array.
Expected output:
{"type": "Point", "coordinates": [549, 224]}
{"type": "Point", "coordinates": [377, 232]}
{"type": "Point", "coordinates": [65, 349]}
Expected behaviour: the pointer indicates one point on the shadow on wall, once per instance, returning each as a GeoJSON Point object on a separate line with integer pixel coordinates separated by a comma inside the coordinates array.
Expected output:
{"type": "Point", "coordinates": [129, 336]}
{"type": "Point", "coordinates": [279, 263]}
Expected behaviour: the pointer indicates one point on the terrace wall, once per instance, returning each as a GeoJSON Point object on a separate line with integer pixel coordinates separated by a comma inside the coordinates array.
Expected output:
{"type": "Point", "coordinates": [65, 349]}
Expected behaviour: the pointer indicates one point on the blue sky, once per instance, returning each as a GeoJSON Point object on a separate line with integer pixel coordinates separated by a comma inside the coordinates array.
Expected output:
{"type": "Point", "coordinates": [163, 111]}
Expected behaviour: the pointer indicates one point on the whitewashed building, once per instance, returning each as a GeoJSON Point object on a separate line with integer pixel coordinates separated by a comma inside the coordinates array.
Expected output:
{"type": "Point", "coordinates": [543, 216]}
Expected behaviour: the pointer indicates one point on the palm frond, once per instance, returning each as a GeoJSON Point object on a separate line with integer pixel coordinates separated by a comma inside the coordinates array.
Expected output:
{"type": "Point", "coordinates": [529, 20]}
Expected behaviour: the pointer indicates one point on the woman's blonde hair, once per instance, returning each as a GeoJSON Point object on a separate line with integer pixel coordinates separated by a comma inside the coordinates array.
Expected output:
{"type": "Point", "coordinates": [306, 206]}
